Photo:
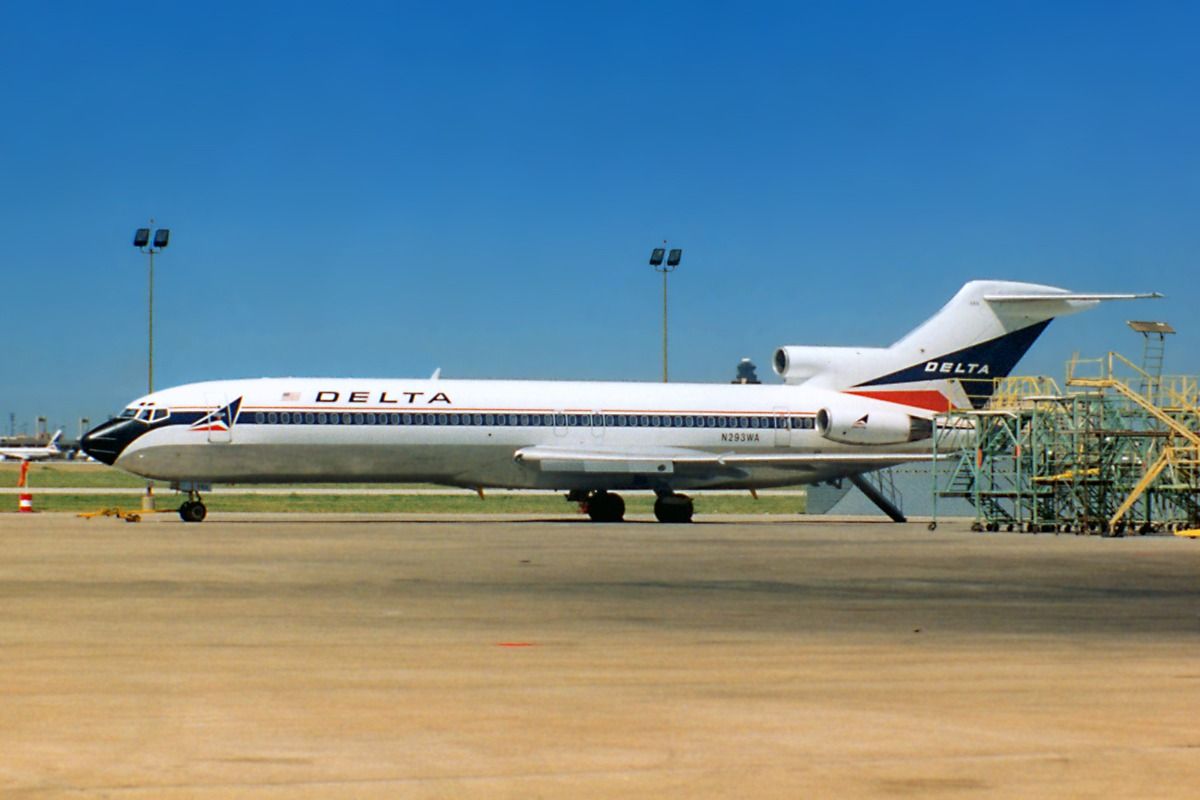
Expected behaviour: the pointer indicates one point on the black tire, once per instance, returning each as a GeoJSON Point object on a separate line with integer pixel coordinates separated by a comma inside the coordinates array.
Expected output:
{"type": "Point", "coordinates": [606, 507]}
{"type": "Point", "coordinates": [674, 508]}
{"type": "Point", "coordinates": [193, 511]}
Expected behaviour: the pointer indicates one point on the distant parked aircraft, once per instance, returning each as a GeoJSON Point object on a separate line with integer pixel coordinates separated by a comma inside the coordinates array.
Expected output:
{"type": "Point", "coordinates": [34, 453]}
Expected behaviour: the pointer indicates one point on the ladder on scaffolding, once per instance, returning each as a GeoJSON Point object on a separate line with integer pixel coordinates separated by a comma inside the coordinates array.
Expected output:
{"type": "Point", "coordinates": [1154, 347]}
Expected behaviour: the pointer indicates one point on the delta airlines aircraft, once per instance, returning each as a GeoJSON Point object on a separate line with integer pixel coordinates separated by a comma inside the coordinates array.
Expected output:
{"type": "Point", "coordinates": [34, 453]}
{"type": "Point", "coordinates": [840, 412]}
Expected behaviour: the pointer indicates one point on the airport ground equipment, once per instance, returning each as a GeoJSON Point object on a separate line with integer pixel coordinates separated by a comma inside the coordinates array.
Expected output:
{"type": "Point", "coordinates": [120, 513]}
{"type": "Point", "coordinates": [128, 516]}
{"type": "Point", "coordinates": [1117, 451]}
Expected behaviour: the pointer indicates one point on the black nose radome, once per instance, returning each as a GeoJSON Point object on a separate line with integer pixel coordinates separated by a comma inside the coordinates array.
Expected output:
{"type": "Point", "coordinates": [106, 442]}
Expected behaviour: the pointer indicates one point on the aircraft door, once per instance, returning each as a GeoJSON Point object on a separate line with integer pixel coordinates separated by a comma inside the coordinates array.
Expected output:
{"type": "Point", "coordinates": [783, 425]}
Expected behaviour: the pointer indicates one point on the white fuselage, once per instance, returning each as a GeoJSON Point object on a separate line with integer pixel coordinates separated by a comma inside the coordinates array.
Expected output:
{"type": "Point", "coordinates": [466, 432]}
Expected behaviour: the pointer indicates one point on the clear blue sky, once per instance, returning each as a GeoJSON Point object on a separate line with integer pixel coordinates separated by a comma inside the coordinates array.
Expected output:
{"type": "Point", "coordinates": [382, 189]}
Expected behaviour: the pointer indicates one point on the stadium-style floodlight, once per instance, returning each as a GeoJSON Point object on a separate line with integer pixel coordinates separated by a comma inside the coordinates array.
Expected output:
{"type": "Point", "coordinates": [141, 240]}
{"type": "Point", "coordinates": [656, 261]}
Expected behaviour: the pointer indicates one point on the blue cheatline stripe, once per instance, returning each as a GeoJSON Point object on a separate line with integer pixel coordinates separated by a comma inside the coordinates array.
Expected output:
{"type": "Point", "coordinates": [514, 419]}
{"type": "Point", "coordinates": [998, 355]}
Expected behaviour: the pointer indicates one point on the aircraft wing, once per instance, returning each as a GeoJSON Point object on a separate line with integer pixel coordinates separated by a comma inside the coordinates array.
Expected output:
{"type": "Point", "coordinates": [685, 461]}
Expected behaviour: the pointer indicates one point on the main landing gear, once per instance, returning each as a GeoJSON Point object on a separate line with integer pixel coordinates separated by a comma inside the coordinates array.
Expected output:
{"type": "Point", "coordinates": [193, 510]}
{"type": "Point", "coordinates": [601, 506]}
{"type": "Point", "coordinates": [604, 506]}
{"type": "Point", "coordinates": [671, 507]}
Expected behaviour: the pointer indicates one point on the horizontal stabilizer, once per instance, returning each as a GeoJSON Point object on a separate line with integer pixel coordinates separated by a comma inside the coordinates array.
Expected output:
{"type": "Point", "coordinates": [1029, 298]}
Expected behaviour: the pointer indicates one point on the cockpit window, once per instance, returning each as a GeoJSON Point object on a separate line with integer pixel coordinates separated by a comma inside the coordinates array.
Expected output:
{"type": "Point", "coordinates": [148, 414]}
{"type": "Point", "coordinates": [127, 413]}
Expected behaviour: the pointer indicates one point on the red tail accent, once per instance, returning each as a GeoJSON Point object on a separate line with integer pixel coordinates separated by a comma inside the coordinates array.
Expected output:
{"type": "Point", "coordinates": [928, 399]}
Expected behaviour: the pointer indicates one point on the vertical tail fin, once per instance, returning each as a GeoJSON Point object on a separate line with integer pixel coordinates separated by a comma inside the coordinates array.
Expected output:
{"type": "Point", "coordinates": [951, 360]}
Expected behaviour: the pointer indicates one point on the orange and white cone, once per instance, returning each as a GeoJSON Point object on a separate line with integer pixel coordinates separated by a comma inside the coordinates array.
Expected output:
{"type": "Point", "coordinates": [24, 499]}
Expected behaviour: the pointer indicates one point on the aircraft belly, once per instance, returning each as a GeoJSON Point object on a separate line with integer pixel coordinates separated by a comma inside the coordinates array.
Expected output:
{"type": "Point", "coordinates": [323, 463]}
{"type": "Point", "coordinates": [358, 455]}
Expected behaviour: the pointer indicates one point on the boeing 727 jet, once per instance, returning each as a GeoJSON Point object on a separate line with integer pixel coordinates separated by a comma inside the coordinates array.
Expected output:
{"type": "Point", "coordinates": [839, 412]}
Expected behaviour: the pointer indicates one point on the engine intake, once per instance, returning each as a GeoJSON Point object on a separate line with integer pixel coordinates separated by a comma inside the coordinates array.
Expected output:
{"type": "Point", "coordinates": [798, 363]}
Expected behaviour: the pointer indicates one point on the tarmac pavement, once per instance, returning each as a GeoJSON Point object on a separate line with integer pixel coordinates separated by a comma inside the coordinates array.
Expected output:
{"type": "Point", "coordinates": [386, 656]}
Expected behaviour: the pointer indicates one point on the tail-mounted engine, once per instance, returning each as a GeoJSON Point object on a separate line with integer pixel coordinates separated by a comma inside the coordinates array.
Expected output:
{"type": "Point", "coordinates": [798, 363]}
{"type": "Point", "coordinates": [852, 424]}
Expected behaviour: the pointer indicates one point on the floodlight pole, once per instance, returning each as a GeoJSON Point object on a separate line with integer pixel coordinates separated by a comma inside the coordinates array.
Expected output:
{"type": "Point", "coordinates": [665, 262]}
{"type": "Point", "coordinates": [150, 319]}
{"type": "Point", "coordinates": [664, 274]}
{"type": "Point", "coordinates": [142, 240]}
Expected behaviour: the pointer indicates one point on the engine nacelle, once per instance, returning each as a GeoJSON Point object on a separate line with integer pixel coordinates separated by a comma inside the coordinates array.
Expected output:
{"type": "Point", "coordinates": [798, 363]}
{"type": "Point", "coordinates": [852, 424]}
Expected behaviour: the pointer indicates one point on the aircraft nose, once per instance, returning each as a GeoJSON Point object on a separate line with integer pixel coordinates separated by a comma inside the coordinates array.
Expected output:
{"type": "Point", "coordinates": [105, 442]}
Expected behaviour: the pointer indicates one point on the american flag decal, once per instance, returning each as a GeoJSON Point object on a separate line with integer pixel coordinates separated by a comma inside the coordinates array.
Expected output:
{"type": "Point", "coordinates": [292, 396]}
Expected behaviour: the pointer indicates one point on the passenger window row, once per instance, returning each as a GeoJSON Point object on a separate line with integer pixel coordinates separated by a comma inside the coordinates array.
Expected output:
{"type": "Point", "coordinates": [534, 420]}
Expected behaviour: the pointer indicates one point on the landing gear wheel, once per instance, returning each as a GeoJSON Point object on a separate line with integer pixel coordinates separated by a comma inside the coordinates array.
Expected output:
{"type": "Point", "coordinates": [673, 508]}
{"type": "Point", "coordinates": [193, 511]}
{"type": "Point", "coordinates": [605, 507]}
{"type": "Point", "coordinates": [933, 526]}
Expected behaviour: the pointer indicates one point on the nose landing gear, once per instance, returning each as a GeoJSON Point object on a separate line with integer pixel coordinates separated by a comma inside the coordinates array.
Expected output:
{"type": "Point", "coordinates": [193, 510]}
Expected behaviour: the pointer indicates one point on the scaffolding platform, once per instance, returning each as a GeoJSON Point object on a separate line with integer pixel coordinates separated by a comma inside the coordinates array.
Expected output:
{"type": "Point", "coordinates": [1117, 451]}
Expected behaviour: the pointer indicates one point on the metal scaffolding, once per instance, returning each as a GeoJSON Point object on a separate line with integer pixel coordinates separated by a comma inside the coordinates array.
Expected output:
{"type": "Point", "coordinates": [1117, 452]}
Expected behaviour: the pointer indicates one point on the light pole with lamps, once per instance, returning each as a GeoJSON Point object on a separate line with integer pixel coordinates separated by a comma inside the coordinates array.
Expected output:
{"type": "Point", "coordinates": [142, 241]}
{"type": "Point", "coordinates": [672, 261]}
